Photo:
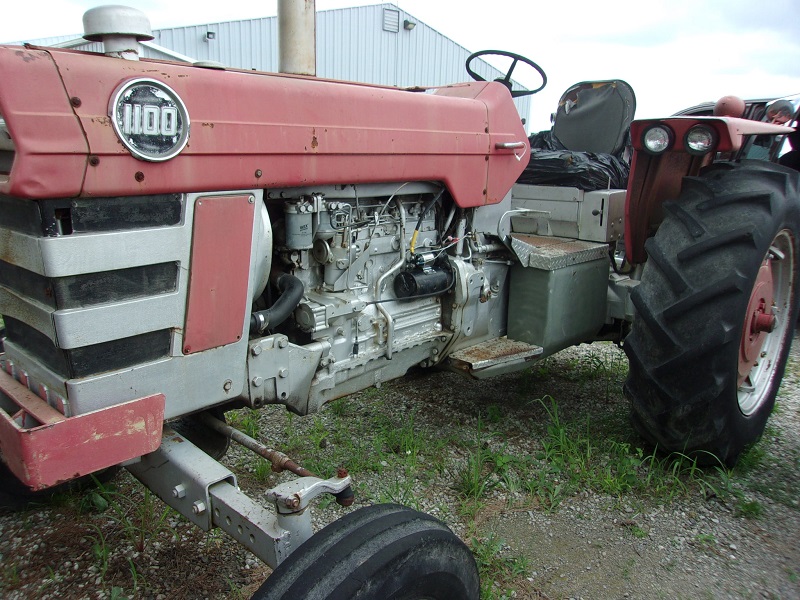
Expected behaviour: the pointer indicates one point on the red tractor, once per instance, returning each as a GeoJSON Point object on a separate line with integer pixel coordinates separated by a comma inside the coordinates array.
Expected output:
{"type": "Point", "coordinates": [178, 241]}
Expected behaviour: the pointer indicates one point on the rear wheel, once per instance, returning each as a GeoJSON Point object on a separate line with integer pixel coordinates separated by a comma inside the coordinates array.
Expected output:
{"type": "Point", "coordinates": [715, 311]}
{"type": "Point", "coordinates": [381, 552]}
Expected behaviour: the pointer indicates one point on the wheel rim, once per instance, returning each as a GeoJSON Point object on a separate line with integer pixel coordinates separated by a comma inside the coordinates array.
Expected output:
{"type": "Point", "coordinates": [765, 324]}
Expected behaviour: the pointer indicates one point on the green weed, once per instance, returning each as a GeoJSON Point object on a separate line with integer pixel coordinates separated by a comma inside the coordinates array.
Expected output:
{"type": "Point", "coordinates": [472, 478]}
{"type": "Point", "coordinates": [399, 490]}
{"type": "Point", "coordinates": [496, 567]}
{"type": "Point", "coordinates": [751, 509]}
{"type": "Point", "coordinates": [100, 551]}
{"type": "Point", "coordinates": [339, 408]}
{"type": "Point", "coordinates": [636, 530]}
{"type": "Point", "coordinates": [706, 540]}
{"type": "Point", "coordinates": [9, 576]}
{"type": "Point", "coordinates": [263, 470]}
{"type": "Point", "coordinates": [117, 593]}
{"type": "Point", "coordinates": [140, 521]}
{"type": "Point", "coordinates": [583, 456]}
{"type": "Point", "coordinates": [494, 413]}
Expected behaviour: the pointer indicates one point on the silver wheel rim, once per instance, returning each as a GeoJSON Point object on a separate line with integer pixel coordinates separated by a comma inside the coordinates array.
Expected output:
{"type": "Point", "coordinates": [755, 388]}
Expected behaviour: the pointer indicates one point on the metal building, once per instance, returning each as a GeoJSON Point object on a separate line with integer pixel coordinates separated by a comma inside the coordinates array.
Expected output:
{"type": "Point", "coordinates": [379, 44]}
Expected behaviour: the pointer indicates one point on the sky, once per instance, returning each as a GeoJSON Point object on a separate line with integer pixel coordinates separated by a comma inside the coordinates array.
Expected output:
{"type": "Point", "coordinates": [674, 53]}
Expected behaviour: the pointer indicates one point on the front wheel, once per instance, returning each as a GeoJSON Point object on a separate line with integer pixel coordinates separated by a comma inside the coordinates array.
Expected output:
{"type": "Point", "coordinates": [380, 552]}
{"type": "Point", "coordinates": [16, 496]}
{"type": "Point", "coordinates": [715, 311]}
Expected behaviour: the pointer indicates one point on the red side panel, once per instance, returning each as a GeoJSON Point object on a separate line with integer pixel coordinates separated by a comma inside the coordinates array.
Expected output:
{"type": "Point", "coordinates": [222, 234]}
{"type": "Point", "coordinates": [44, 448]}
{"type": "Point", "coordinates": [261, 130]}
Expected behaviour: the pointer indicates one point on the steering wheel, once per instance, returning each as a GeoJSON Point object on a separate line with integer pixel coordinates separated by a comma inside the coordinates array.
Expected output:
{"type": "Point", "coordinates": [506, 81]}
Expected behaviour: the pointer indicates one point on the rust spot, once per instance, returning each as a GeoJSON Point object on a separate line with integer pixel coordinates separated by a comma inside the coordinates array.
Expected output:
{"type": "Point", "coordinates": [26, 56]}
{"type": "Point", "coordinates": [139, 176]}
{"type": "Point", "coordinates": [211, 125]}
{"type": "Point", "coordinates": [314, 142]}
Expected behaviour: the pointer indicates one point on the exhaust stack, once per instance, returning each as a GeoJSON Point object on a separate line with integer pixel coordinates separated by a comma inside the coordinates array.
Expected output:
{"type": "Point", "coordinates": [297, 37]}
{"type": "Point", "coordinates": [120, 28]}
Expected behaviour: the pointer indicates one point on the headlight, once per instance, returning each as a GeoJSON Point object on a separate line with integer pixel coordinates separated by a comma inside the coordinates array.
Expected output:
{"type": "Point", "coordinates": [657, 139]}
{"type": "Point", "coordinates": [700, 140]}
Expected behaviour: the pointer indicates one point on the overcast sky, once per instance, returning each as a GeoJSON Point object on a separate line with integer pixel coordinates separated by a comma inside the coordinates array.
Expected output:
{"type": "Point", "coordinates": [675, 53]}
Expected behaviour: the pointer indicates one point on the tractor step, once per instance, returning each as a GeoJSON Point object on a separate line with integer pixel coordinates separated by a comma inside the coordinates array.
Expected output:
{"type": "Point", "coordinates": [493, 357]}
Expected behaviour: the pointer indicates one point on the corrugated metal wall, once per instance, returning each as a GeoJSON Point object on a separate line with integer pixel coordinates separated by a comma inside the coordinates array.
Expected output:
{"type": "Point", "coordinates": [367, 44]}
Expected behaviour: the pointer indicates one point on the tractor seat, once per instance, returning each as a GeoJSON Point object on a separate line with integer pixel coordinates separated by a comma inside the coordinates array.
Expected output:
{"type": "Point", "coordinates": [594, 116]}
{"type": "Point", "coordinates": [586, 146]}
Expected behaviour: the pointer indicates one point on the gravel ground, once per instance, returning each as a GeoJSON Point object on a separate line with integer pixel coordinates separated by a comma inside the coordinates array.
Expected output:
{"type": "Point", "coordinates": [684, 543]}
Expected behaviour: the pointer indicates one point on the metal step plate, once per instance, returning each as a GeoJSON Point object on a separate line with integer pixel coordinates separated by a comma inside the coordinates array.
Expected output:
{"type": "Point", "coordinates": [493, 356]}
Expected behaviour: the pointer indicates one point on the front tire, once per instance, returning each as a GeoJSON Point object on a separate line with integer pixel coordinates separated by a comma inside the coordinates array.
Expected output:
{"type": "Point", "coordinates": [380, 552]}
{"type": "Point", "coordinates": [715, 311]}
{"type": "Point", "coordinates": [16, 496]}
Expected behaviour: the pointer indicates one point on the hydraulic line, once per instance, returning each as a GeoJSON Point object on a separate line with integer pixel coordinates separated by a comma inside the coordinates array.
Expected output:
{"type": "Point", "coordinates": [396, 267]}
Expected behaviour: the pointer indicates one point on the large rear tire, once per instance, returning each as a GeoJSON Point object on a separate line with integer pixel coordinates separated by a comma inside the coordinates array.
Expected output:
{"type": "Point", "coordinates": [715, 311]}
{"type": "Point", "coordinates": [380, 552]}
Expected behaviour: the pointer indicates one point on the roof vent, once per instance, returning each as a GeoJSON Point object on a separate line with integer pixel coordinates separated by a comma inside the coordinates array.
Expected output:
{"type": "Point", "coordinates": [120, 28]}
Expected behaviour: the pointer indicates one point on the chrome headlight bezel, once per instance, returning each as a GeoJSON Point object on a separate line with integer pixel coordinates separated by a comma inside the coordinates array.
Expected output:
{"type": "Point", "coordinates": [700, 139]}
{"type": "Point", "coordinates": [657, 139]}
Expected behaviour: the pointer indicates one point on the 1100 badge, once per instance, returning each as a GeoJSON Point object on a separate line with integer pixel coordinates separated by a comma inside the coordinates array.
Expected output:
{"type": "Point", "coordinates": [150, 119]}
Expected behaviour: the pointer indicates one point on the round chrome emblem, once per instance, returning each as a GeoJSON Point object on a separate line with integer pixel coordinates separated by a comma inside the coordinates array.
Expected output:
{"type": "Point", "coordinates": [150, 119]}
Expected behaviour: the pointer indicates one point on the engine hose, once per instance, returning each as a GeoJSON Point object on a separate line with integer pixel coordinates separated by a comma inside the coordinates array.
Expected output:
{"type": "Point", "coordinates": [291, 290]}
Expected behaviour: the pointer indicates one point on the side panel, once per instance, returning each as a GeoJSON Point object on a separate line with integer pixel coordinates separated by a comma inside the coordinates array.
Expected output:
{"type": "Point", "coordinates": [220, 270]}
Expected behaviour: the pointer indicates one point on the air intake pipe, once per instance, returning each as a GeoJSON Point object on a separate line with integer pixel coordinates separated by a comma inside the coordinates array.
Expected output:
{"type": "Point", "coordinates": [120, 28]}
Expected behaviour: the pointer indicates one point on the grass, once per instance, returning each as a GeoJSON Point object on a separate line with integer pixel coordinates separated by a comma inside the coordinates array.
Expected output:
{"type": "Point", "coordinates": [141, 521]}
{"type": "Point", "coordinates": [706, 541]}
{"type": "Point", "coordinates": [595, 451]}
{"type": "Point", "coordinates": [579, 455]}
{"type": "Point", "coordinates": [9, 576]}
{"type": "Point", "coordinates": [496, 564]}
